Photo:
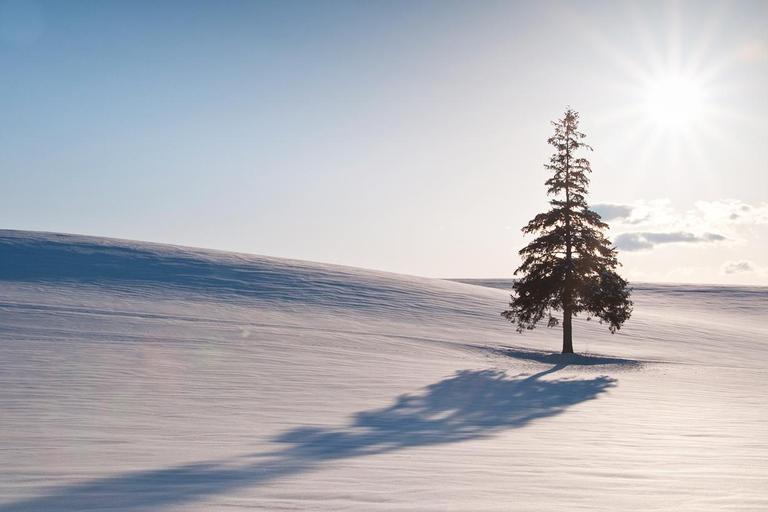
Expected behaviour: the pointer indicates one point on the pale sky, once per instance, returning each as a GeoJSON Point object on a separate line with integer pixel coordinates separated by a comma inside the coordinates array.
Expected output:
{"type": "Point", "coordinates": [402, 136]}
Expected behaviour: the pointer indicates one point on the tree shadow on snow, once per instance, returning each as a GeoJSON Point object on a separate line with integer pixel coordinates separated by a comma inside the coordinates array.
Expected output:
{"type": "Point", "coordinates": [468, 405]}
{"type": "Point", "coordinates": [563, 360]}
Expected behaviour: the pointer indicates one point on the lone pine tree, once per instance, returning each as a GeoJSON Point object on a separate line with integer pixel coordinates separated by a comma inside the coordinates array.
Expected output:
{"type": "Point", "coordinates": [571, 266]}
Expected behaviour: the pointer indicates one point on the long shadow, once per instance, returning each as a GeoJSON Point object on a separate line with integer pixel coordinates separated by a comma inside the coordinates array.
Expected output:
{"type": "Point", "coordinates": [468, 405]}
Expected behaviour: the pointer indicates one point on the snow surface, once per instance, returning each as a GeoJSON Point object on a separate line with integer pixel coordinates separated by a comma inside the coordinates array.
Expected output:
{"type": "Point", "coordinates": [138, 376]}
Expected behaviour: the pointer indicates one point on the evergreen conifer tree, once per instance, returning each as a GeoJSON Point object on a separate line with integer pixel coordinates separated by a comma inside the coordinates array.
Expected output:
{"type": "Point", "coordinates": [571, 266]}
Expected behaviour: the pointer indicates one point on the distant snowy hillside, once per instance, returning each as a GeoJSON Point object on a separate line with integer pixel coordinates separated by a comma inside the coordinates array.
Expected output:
{"type": "Point", "coordinates": [137, 376]}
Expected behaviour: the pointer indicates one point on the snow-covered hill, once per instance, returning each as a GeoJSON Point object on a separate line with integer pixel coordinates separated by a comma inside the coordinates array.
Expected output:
{"type": "Point", "coordinates": [138, 376]}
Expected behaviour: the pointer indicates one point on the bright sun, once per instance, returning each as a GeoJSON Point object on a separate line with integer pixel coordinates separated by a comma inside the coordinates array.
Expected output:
{"type": "Point", "coordinates": [673, 102]}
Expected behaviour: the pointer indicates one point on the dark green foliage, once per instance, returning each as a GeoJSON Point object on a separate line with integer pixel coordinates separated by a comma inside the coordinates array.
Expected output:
{"type": "Point", "coordinates": [571, 266]}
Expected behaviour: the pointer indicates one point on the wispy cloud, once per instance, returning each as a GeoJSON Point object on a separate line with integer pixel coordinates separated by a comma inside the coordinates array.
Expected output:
{"type": "Point", "coordinates": [648, 240]}
{"type": "Point", "coordinates": [743, 267]}
{"type": "Point", "coordinates": [660, 213]}
{"type": "Point", "coordinates": [631, 214]}
{"type": "Point", "coordinates": [708, 222]}
{"type": "Point", "coordinates": [609, 211]}
{"type": "Point", "coordinates": [730, 212]}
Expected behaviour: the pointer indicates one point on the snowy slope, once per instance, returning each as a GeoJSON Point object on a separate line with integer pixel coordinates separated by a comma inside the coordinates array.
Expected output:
{"type": "Point", "coordinates": [138, 376]}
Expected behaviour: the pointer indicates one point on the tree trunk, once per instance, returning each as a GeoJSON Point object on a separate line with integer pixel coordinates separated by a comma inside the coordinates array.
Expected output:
{"type": "Point", "coordinates": [567, 332]}
{"type": "Point", "coordinates": [568, 290]}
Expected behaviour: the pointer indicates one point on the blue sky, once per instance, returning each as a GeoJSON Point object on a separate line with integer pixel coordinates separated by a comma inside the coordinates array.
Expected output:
{"type": "Point", "coordinates": [402, 136]}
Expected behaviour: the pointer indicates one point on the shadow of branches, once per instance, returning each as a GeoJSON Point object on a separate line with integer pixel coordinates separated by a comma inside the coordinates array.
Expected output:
{"type": "Point", "coordinates": [468, 405]}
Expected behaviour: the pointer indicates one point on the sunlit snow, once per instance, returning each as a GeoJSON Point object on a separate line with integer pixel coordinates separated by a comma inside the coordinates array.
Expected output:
{"type": "Point", "coordinates": [138, 376]}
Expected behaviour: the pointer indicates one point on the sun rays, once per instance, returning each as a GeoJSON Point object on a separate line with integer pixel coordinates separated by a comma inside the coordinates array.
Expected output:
{"type": "Point", "coordinates": [670, 95]}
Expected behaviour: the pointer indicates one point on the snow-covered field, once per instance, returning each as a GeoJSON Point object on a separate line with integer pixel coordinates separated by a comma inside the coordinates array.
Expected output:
{"type": "Point", "coordinates": [137, 376]}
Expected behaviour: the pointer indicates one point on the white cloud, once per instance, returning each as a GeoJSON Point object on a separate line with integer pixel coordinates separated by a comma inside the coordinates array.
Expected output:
{"type": "Point", "coordinates": [731, 212]}
{"type": "Point", "coordinates": [706, 216]}
{"type": "Point", "coordinates": [727, 220]}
